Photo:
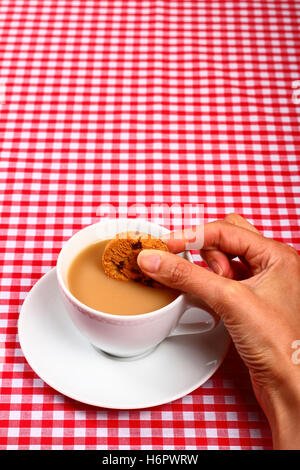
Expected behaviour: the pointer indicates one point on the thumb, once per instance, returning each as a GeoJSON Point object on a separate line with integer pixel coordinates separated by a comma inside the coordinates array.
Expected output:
{"type": "Point", "coordinates": [220, 294]}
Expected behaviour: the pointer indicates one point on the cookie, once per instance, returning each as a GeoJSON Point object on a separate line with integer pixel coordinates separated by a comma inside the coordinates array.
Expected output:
{"type": "Point", "coordinates": [119, 258]}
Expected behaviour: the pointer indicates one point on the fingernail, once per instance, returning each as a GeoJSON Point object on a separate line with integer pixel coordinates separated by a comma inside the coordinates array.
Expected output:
{"type": "Point", "coordinates": [149, 262]}
{"type": "Point", "coordinates": [216, 267]}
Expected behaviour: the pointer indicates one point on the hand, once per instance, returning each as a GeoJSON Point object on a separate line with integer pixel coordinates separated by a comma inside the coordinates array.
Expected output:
{"type": "Point", "coordinates": [258, 299]}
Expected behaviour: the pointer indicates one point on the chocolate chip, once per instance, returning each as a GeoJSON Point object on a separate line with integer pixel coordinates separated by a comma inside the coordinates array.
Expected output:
{"type": "Point", "coordinates": [137, 246]}
{"type": "Point", "coordinates": [135, 270]}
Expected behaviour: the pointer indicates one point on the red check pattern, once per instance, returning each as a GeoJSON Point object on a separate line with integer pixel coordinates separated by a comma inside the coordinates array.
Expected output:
{"type": "Point", "coordinates": [140, 101]}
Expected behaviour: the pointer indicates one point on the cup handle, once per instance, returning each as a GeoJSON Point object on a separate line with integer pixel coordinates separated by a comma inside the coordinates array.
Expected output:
{"type": "Point", "coordinates": [197, 327]}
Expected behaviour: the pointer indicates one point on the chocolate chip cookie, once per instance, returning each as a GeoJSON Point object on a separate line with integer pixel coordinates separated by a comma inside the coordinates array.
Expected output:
{"type": "Point", "coordinates": [119, 258]}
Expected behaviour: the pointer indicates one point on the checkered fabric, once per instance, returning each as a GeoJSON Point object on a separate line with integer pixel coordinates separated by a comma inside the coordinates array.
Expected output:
{"type": "Point", "coordinates": [140, 101]}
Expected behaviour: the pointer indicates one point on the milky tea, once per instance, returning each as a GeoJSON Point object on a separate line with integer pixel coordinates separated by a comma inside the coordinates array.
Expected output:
{"type": "Point", "coordinates": [88, 282]}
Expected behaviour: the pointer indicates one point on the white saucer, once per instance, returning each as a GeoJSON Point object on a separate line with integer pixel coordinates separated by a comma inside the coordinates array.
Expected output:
{"type": "Point", "coordinates": [66, 361]}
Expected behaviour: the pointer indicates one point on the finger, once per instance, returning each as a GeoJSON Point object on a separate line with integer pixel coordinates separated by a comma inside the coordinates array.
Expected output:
{"type": "Point", "coordinates": [238, 220]}
{"type": "Point", "coordinates": [223, 265]}
{"type": "Point", "coordinates": [181, 240]}
{"type": "Point", "coordinates": [221, 294]}
{"type": "Point", "coordinates": [187, 239]}
{"type": "Point", "coordinates": [233, 240]}
{"type": "Point", "coordinates": [217, 261]}
{"type": "Point", "coordinates": [251, 247]}
{"type": "Point", "coordinates": [220, 262]}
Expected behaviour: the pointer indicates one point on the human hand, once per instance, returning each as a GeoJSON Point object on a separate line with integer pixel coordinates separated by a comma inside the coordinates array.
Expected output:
{"type": "Point", "coordinates": [258, 299]}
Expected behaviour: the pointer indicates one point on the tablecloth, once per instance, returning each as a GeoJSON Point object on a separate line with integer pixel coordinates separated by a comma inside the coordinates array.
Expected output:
{"type": "Point", "coordinates": [140, 101]}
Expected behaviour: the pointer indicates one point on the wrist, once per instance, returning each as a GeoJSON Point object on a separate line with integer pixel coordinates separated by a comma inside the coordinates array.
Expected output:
{"type": "Point", "coordinates": [282, 408]}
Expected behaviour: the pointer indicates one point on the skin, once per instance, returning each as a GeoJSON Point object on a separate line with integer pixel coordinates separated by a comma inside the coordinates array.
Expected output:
{"type": "Point", "coordinates": [257, 296]}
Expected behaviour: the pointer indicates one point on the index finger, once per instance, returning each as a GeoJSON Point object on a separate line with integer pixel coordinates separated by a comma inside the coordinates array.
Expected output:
{"type": "Point", "coordinates": [224, 236]}
{"type": "Point", "coordinates": [187, 239]}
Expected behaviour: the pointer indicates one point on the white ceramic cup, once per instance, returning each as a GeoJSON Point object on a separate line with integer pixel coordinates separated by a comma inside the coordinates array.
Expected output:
{"type": "Point", "coordinates": [124, 336]}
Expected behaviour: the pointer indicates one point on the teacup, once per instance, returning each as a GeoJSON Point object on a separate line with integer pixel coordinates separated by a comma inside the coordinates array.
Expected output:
{"type": "Point", "coordinates": [125, 336]}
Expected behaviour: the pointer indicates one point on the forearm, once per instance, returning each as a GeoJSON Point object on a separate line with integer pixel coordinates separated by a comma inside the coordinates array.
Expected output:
{"type": "Point", "coordinates": [282, 408]}
{"type": "Point", "coordinates": [286, 429]}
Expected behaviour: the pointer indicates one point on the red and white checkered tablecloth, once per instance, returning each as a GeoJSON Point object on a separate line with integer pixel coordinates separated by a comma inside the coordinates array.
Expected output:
{"type": "Point", "coordinates": [140, 101]}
